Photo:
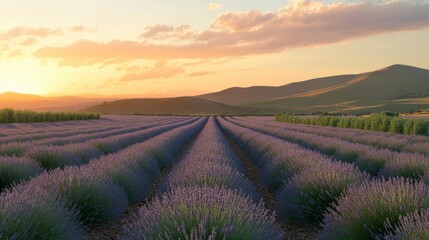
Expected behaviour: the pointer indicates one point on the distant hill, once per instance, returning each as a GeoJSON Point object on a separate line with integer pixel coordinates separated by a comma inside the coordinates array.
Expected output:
{"type": "Point", "coordinates": [175, 106]}
{"type": "Point", "coordinates": [395, 88]}
{"type": "Point", "coordinates": [41, 103]}
{"type": "Point", "coordinates": [241, 96]}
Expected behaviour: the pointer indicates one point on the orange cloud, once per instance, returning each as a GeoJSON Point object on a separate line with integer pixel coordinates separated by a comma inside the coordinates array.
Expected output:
{"type": "Point", "coordinates": [18, 32]}
{"type": "Point", "coordinates": [301, 23]}
{"type": "Point", "coordinates": [199, 74]}
{"type": "Point", "coordinates": [160, 71]}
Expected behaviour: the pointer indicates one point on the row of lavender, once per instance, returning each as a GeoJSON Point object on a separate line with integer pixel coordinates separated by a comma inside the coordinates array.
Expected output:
{"type": "Point", "coordinates": [206, 196]}
{"type": "Point", "coordinates": [37, 159]}
{"type": "Point", "coordinates": [52, 136]}
{"type": "Point", "coordinates": [62, 204]}
{"type": "Point", "coordinates": [19, 129]}
{"type": "Point", "coordinates": [95, 139]}
{"type": "Point", "coordinates": [396, 142]}
{"type": "Point", "coordinates": [376, 161]}
{"type": "Point", "coordinates": [337, 198]}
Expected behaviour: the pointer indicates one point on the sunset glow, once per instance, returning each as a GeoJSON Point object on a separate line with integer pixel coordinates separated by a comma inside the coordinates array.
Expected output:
{"type": "Point", "coordinates": [166, 48]}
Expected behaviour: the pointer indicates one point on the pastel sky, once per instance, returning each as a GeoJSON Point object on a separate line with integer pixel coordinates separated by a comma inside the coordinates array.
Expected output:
{"type": "Point", "coordinates": [169, 48]}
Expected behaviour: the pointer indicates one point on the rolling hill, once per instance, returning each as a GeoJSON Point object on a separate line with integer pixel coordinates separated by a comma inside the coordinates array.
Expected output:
{"type": "Point", "coordinates": [395, 88]}
{"type": "Point", "coordinates": [241, 96]}
{"type": "Point", "coordinates": [165, 106]}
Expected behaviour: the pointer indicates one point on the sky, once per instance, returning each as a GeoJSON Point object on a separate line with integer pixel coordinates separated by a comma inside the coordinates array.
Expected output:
{"type": "Point", "coordinates": [173, 48]}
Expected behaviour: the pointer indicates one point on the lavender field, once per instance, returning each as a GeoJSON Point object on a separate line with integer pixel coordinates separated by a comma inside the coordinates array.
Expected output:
{"type": "Point", "coordinates": [170, 177]}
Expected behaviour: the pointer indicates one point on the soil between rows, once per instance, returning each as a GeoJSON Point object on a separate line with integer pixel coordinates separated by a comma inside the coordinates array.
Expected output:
{"type": "Point", "coordinates": [113, 229]}
{"type": "Point", "coordinates": [293, 230]}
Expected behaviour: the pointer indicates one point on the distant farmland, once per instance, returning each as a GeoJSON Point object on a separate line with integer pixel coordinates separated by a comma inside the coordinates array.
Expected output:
{"type": "Point", "coordinates": [169, 177]}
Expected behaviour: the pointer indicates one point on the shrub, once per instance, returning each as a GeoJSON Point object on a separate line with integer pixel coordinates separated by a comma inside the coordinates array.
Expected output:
{"type": "Point", "coordinates": [357, 122]}
{"type": "Point", "coordinates": [144, 160]}
{"type": "Point", "coordinates": [13, 149]}
{"type": "Point", "coordinates": [408, 126]}
{"type": "Point", "coordinates": [9, 115]}
{"type": "Point", "coordinates": [384, 122]}
{"type": "Point", "coordinates": [51, 157]}
{"type": "Point", "coordinates": [32, 213]}
{"type": "Point", "coordinates": [372, 161]}
{"type": "Point", "coordinates": [287, 161]}
{"type": "Point", "coordinates": [363, 212]}
{"type": "Point", "coordinates": [208, 174]}
{"type": "Point", "coordinates": [203, 213]}
{"type": "Point", "coordinates": [16, 169]}
{"type": "Point", "coordinates": [412, 226]}
{"type": "Point", "coordinates": [420, 127]}
{"type": "Point", "coordinates": [408, 165]}
{"type": "Point", "coordinates": [96, 197]}
{"type": "Point", "coordinates": [126, 174]}
{"type": "Point", "coordinates": [85, 152]}
{"type": "Point", "coordinates": [306, 196]}
{"type": "Point", "coordinates": [344, 123]}
{"type": "Point", "coordinates": [397, 125]}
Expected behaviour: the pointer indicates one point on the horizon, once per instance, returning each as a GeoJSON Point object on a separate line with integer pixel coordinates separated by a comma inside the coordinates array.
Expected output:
{"type": "Point", "coordinates": [169, 49]}
{"type": "Point", "coordinates": [124, 95]}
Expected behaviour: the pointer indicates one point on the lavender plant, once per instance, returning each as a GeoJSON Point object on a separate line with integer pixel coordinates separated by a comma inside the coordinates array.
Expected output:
{"type": "Point", "coordinates": [51, 157]}
{"type": "Point", "coordinates": [31, 213]}
{"type": "Point", "coordinates": [202, 213]}
{"type": "Point", "coordinates": [406, 165]}
{"type": "Point", "coordinates": [192, 173]}
{"type": "Point", "coordinates": [16, 169]}
{"type": "Point", "coordinates": [363, 212]}
{"type": "Point", "coordinates": [414, 225]}
{"type": "Point", "coordinates": [308, 195]}
{"type": "Point", "coordinates": [96, 197]}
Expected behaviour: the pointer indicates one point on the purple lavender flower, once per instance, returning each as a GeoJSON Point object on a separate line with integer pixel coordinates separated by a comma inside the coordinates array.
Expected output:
{"type": "Point", "coordinates": [307, 196]}
{"type": "Point", "coordinates": [203, 213]}
{"type": "Point", "coordinates": [363, 212]}
{"type": "Point", "coordinates": [16, 169]}
{"type": "Point", "coordinates": [31, 213]}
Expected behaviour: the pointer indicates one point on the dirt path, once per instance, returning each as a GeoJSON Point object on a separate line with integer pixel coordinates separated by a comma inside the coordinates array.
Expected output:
{"type": "Point", "coordinates": [293, 230]}
{"type": "Point", "coordinates": [112, 230]}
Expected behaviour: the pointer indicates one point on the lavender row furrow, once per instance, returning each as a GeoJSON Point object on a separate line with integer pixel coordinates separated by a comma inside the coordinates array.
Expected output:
{"type": "Point", "coordinates": [206, 196]}
{"type": "Point", "coordinates": [396, 142]}
{"type": "Point", "coordinates": [66, 135]}
{"type": "Point", "coordinates": [376, 161]}
{"type": "Point", "coordinates": [16, 169]}
{"type": "Point", "coordinates": [306, 182]}
{"type": "Point", "coordinates": [62, 204]}
{"type": "Point", "coordinates": [100, 134]}
{"type": "Point", "coordinates": [339, 200]}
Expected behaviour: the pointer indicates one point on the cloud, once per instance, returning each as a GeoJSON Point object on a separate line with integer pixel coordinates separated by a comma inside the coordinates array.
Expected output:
{"type": "Point", "coordinates": [214, 6]}
{"type": "Point", "coordinates": [199, 74]}
{"type": "Point", "coordinates": [78, 28]}
{"type": "Point", "coordinates": [301, 23]}
{"type": "Point", "coordinates": [19, 31]}
{"type": "Point", "coordinates": [159, 71]}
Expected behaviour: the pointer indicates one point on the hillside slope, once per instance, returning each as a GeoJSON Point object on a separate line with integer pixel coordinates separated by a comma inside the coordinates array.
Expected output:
{"type": "Point", "coordinates": [241, 96]}
{"type": "Point", "coordinates": [395, 88]}
{"type": "Point", "coordinates": [162, 106]}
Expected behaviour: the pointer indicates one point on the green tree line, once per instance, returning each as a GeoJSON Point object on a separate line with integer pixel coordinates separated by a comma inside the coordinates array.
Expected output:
{"type": "Point", "coordinates": [381, 122]}
{"type": "Point", "coordinates": [8, 115]}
